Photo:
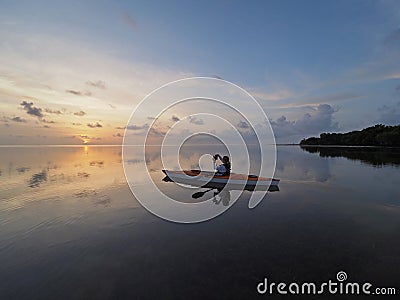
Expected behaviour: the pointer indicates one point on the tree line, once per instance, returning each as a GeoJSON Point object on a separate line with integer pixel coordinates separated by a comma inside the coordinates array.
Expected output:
{"type": "Point", "coordinates": [378, 135]}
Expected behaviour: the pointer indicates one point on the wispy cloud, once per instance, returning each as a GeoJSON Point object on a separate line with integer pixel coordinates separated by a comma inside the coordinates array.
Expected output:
{"type": "Point", "coordinates": [243, 125]}
{"type": "Point", "coordinates": [392, 39]}
{"type": "Point", "coordinates": [50, 111]}
{"type": "Point", "coordinates": [196, 120]}
{"type": "Point", "coordinates": [129, 20]}
{"type": "Point", "coordinates": [310, 102]}
{"type": "Point", "coordinates": [94, 125]}
{"type": "Point", "coordinates": [78, 64]}
{"type": "Point", "coordinates": [157, 132]}
{"type": "Point", "coordinates": [137, 127]}
{"type": "Point", "coordinates": [98, 84]}
{"type": "Point", "coordinates": [175, 118]}
{"type": "Point", "coordinates": [79, 93]}
{"type": "Point", "coordinates": [79, 113]}
{"type": "Point", "coordinates": [278, 95]}
{"type": "Point", "coordinates": [18, 119]}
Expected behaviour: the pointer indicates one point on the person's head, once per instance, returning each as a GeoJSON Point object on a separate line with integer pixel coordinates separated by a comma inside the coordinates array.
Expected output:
{"type": "Point", "coordinates": [225, 159]}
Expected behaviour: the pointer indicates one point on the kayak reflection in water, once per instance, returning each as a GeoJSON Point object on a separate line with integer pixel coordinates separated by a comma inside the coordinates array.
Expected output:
{"type": "Point", "coordinates": [223, 196]}
{"type": "Point", "coordinates": [224, 168]}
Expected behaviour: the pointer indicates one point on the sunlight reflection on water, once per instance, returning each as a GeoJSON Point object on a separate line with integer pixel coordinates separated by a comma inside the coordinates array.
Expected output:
{"type": "Point", "coordinates": [68, 219]}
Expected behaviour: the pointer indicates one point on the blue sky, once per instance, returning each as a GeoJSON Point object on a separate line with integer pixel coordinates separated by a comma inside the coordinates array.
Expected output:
{"type": "Point", "coordinates": [321, 65]}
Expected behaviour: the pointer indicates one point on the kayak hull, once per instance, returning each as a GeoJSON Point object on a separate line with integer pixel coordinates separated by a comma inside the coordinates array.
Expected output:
{"type": "Point", "coordinates": [210, 180]}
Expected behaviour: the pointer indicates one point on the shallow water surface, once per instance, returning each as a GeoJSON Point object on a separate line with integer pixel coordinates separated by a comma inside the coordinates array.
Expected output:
{"type": "Point", "coordinates": [71, 228]}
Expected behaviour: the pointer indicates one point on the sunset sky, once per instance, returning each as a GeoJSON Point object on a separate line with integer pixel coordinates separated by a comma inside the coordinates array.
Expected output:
{"type": "Point", "coordinates": [72, 72]}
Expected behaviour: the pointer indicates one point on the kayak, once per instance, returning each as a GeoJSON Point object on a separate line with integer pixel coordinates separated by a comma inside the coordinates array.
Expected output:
{"type": "Point", "coordinates": [210, 179]}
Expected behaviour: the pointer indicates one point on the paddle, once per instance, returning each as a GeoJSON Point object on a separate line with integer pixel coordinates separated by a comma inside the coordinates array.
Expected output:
{"type": "Point", "coordinates": [200, 194]}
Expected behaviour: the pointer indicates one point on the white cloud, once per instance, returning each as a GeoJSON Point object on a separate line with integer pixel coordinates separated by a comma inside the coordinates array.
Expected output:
{"type": "Point", "coordinates": [319, 120]}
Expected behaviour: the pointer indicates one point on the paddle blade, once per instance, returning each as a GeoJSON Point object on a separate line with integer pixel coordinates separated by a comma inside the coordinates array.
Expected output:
{"type": "Point", "coordinates": [198, 195]}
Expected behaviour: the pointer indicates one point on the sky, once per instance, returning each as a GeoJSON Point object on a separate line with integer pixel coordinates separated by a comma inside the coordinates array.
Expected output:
{"type": "Point", "coordinates": [73, 72]}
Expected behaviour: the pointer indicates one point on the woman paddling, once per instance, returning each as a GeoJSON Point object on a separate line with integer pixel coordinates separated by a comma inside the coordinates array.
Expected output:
{"type": "Point", "coordinates": [225, 167]}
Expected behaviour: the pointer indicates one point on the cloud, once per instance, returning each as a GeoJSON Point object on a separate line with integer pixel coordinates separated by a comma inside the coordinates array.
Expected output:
{"type": "Point", "coordinates": [393, 39]}
{"type": "Point", "coordinates": [272, 96]}
{"type": "Point", "coordinates": [134, 127]}
{"type": "Point", "coordinates": [309, 102]}
{"type": "Point", "coordinates": [134, 161]}
{"type": "Point", "coordinates": [157, 132]}
{"type": "Point", "coordinates": [137, 127]}
{"type": "Point", "coordinates": [32, 110]}
{"type": "Point", "coordinates": [243, 124]}
{"type": "Point", "coordinates": [95, 125]}
{"type": "Point", "coordinates": [390, 114]}
{"type": "Point", "coordinates": [175, 118]}
{"type": "Point", "coordinates": [118, 135]}
{"type": "Point", "coordinates": [80, 113]}
{"type": "Point", "coordinates": [320, 120]}
{"type": "Point", "coordinates": [98, 84]}
{"type": "Point", "coordinates": [18, 119]}
{"type": "Point", "coordinates": [46, 121]}
{"type": "Point", "coordinates": [50, 111]}
{"type": "Point", "coordinates": [79, 93]}
{"type": "Point", "coordinates": [195, 120]}
{"type": "Point", "coordinates": [129, 20]}
{"type": "Point", "coordinates": [334, 97]}
{"type": "Point", "coordinates": [46, 126]}
{"type": "Point", "coordinates": [76, 124]}
{"type": "Point", "coordinates": [86, 137]}
{"type": "Point", "coordinates": [112, 106]}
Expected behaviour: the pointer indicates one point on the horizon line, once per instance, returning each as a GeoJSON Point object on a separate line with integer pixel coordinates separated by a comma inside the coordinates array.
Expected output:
{"type": "Point", "coordinates": [120, 145]}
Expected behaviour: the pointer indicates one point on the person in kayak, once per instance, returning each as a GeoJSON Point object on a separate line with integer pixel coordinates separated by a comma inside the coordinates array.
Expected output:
{"type": "Point", "coordinates": [225, 167]}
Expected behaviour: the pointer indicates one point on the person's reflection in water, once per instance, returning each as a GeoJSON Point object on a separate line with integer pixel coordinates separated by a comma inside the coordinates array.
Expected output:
{"type": "Point", "coordinates": [223, 196]}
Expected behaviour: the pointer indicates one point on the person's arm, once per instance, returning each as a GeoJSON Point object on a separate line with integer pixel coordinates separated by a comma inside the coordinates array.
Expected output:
{"type": "Point", "coordinates": [216, 156]}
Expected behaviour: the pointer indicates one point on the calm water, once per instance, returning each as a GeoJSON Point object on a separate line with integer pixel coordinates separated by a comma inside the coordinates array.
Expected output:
{"type": "Point", "coordinates": [71, 229]}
